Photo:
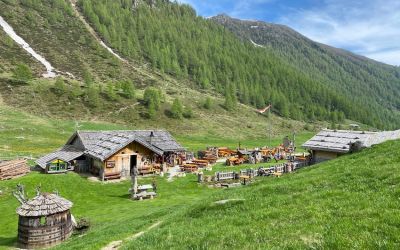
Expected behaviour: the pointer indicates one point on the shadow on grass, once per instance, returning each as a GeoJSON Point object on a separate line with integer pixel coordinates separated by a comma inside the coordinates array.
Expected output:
{"type": "Point", "coordinates": [122, 196]}
{"type": "Point", "coordinates": [8, 241]}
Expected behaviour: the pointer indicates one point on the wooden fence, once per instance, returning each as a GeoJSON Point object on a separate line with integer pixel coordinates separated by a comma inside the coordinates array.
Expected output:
{"type": "Point", "coordinates": [279, 168]}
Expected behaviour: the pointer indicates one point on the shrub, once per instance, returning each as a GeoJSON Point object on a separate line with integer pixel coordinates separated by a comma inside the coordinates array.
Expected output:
{"type": "Point", "coordinates": [188, 112]}
{"type": "Point", "coordinates": [23, 72]}
{"type": "Point", "coordinates": [207, 103]}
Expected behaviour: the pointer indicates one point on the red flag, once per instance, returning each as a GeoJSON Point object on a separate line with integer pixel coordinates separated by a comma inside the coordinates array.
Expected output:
{"type": "Point", "coordinates": [262, 111]}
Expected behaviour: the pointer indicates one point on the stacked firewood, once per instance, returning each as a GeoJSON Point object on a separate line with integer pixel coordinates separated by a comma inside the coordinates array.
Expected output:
{"type": "Point", "coordinates": [13, 169]}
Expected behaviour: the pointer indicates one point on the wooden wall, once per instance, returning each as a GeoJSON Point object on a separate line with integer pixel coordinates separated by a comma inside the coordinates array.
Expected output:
{"type": "Point", "coordinates": [121, 160]}
{"type": "Point", "coordinates": [320, 156]}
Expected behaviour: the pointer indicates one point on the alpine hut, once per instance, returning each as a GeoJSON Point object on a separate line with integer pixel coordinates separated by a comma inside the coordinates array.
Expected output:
{"type": "Point", "coordinates": [44, 221]}
{"type": "Point", "coordinates": [114, 154]}
{"type": "Point", "coordinates": [329, 144]}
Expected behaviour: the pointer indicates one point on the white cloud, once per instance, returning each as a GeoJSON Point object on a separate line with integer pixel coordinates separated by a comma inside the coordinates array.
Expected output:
{"type": "Point", "coordinates": [370, 28]}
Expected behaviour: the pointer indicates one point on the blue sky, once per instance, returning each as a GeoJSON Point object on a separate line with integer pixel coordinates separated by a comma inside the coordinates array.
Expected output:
{"type": "Point", "coordinates": [370, 28]}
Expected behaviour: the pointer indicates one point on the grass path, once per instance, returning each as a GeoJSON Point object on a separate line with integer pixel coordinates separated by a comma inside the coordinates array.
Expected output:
{"type": "Point", "coordinates": [117, 244]}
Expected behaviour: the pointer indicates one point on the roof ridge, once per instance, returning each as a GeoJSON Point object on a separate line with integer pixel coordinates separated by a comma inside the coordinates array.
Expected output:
{"type": "Point", "coordinates": [124, 130]}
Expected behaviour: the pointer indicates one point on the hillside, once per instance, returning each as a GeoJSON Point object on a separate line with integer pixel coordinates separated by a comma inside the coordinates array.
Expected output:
{"type": "Point", "coordinates": [167, 46]}
{"type": "Point", "coordinates": [339, 69]}
{"type": "Point", "coordinates": [351, 202]}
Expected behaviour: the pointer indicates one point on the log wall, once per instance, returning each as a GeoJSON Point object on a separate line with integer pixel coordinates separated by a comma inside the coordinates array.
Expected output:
{"type": "Point", "coordinates": [13, 169]}
{"type": "Point", "coordinates": [33, 233]}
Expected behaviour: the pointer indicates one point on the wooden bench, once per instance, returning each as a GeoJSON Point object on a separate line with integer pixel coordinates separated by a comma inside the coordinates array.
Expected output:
{"type": "Point", "coordinates": [112, 176]}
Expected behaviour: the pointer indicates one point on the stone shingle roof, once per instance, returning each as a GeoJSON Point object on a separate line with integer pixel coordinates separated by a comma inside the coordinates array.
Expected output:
{"type": "Point", "coordinates": [66, 153]}
{"type": "Point", "coordinates": [103, 144]}
{"type": "Point", "coordinates": [339, 140]}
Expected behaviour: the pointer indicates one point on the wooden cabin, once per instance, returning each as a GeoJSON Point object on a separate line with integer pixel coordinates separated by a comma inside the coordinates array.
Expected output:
{"type": "Point", "coordinates": [113, 154]}
{"type": "Point", "coordinates": [44, 221]}
{"type": "Point", "coordinates": [330, 144]}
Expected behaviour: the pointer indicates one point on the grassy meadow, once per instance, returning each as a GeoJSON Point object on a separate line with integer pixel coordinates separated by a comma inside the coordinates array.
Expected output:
{"type": "Point", "coordinates": [349, 203]}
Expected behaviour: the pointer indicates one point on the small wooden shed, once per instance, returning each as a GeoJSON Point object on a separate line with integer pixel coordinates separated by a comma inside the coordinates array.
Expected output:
{"type": "Point", "coordinates": [44, 221]}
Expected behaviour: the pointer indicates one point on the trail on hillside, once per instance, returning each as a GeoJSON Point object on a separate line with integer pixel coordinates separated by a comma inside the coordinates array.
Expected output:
{"type": "Point", "coordinates": [102, 43]}
{"type": "Point", "coordinates": [117, 244]}
{"type": "Point", "coordinates": [50, 71]}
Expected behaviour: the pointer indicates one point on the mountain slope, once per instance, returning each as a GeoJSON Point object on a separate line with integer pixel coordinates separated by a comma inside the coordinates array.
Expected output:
{"type": "Point", "coordinates": [166, 45]}
{"type": "Point", "coordinates": [351, 202]}
{"type": "Point", "coordinates": [178, 42]}
{"type": "Point", "coordinates": [356, 75]}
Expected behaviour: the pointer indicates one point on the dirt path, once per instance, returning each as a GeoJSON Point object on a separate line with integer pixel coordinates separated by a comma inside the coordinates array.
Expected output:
{"type": "Point", "coordinates": [118, 243]}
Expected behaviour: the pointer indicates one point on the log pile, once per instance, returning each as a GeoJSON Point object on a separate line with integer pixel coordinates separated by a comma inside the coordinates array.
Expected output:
{"type": "Point", "coordinates": [13, 169]}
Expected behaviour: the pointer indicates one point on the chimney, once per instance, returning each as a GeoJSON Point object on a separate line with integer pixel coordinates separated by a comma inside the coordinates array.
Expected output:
{"type": "Point", "coordinates": [151, 136]}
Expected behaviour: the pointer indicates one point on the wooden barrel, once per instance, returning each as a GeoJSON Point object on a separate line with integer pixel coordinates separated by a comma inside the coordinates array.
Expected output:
{"type": "Point", "coordinates": [39, 232]}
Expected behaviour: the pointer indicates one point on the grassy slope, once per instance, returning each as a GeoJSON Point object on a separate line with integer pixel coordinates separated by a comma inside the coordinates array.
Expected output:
{"type": "Point", "coordinates": [351, 202]}
{"type": "Point", "coordinates": [25, 134]}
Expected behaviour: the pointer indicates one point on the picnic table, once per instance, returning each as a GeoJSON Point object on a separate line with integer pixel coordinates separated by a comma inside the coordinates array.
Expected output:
{"type": "Point", "coordinates": [145, 187]}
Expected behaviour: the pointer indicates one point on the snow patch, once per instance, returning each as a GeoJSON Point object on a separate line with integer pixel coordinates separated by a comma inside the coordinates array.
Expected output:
{"type": "Point", "coordinates": [111, 51]}
{"type": "Point", "coordinates": [257, 45]}
{"type": "Point", "coordinates": [50, 71]}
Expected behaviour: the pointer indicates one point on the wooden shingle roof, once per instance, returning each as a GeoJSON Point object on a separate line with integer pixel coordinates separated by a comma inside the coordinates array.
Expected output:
{"type": "Point", "coordinates": [43, 205]}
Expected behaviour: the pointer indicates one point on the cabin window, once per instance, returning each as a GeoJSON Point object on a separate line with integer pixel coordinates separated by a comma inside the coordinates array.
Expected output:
{"type": "Point", "coordinates": [57, 166]}
{"type": "Point", "coordinates": [110, 164]}
{"type": "Point", "coordinates": [43, 221]}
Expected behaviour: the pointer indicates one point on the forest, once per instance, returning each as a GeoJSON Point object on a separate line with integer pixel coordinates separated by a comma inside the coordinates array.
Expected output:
{"type": "Point", "coordinates": [174, 40]}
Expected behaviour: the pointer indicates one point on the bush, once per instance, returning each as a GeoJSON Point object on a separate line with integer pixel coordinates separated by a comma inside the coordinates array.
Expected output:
{"type": "Point", "coordinates": [188, 112]}
{"type": "Point", "coordinates": [207, 103]}
{"type": "Point", "coordinates": [22, 72]}
{"type": "Point", "coordinates": [59, 86]}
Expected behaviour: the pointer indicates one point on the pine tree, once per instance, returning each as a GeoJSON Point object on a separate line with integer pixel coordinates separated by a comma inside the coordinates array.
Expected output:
{"type": "Point", "coordinates": [87, 78]}
{"type": "Point", "coordinates": [151, 110]}
{"type": "Point", "coordinates": [93, 96]}
{"type": "Point", "coordinates": [177, 109]}
{"type": "Point", "coordinates": [128, 89]}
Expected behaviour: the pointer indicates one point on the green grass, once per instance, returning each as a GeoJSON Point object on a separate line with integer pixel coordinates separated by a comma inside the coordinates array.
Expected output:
{"type": "Point", "coordinates": [349, 203]}
{"type": "Point", "coordinates": [112, 214]}
{"type": "Point", "coordinates": [23, 134]}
